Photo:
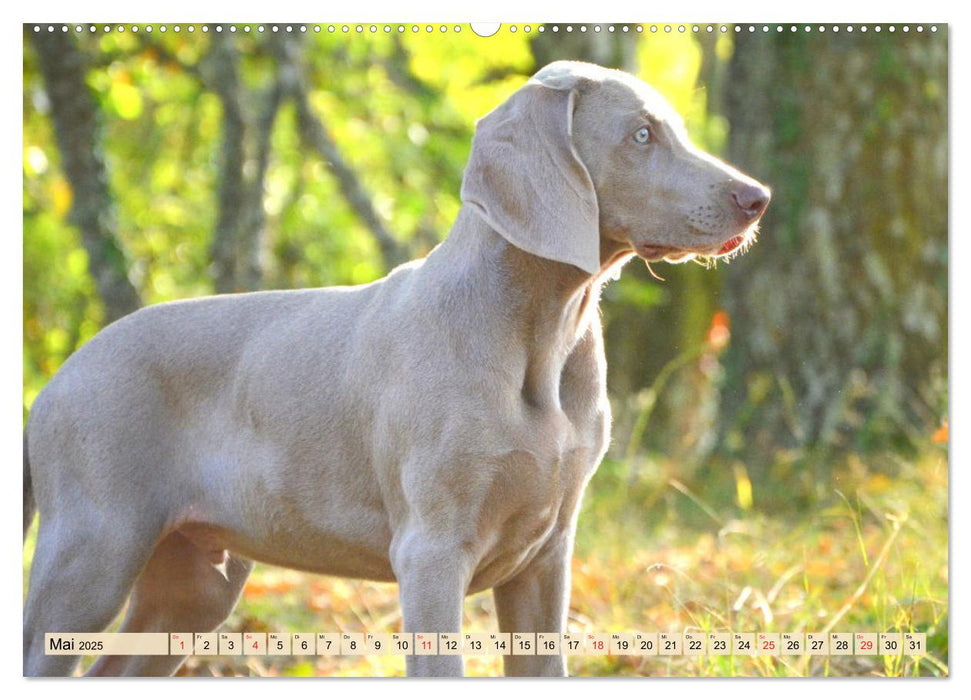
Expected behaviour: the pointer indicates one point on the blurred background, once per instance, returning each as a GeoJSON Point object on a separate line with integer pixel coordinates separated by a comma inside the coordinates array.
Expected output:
{"type": "Point", "coordinates": [779, 455]}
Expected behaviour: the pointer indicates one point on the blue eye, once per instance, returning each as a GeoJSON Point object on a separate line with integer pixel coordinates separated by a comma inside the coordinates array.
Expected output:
{"type": "Point", "coordinates": [642, 135]}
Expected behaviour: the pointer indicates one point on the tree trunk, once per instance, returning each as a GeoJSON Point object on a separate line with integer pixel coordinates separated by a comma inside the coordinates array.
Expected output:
{"type": "Point", "coordinates": [228, 246]}
{"type": "Point", "coordinates": [75, 118]}
{"type": "Point", "coordinates": [839, 314]}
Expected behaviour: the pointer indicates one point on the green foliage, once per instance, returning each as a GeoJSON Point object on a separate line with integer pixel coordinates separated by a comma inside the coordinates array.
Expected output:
{"type": "Point", "coordinates": [670, 62]}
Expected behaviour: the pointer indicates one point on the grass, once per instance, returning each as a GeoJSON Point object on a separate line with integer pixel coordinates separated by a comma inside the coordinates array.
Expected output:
{"type": "Point", "coordinates": [655, 554]}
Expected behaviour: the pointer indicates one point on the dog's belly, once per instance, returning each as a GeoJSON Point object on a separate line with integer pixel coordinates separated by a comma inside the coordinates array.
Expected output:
{"type": "Point", "coordinates": [311, 508]}
{"type": "Point", "coordinates": [297, 528]}
{"type": "Point", "coordinates": [343, 554]}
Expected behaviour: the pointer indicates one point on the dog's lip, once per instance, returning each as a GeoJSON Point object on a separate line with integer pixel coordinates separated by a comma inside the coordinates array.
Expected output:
{"type": "Point", "coordinates": [654, 253]}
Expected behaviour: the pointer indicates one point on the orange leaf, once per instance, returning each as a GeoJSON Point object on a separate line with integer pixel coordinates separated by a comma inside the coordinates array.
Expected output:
{"type": "Point", "coordinates": [254, 589]}
{"type": "Point", "coordinates": [940, 435]}
{"type": "Point", "coordinates": [719, 333]}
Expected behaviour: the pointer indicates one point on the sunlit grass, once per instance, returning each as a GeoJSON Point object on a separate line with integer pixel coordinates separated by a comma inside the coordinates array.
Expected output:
{"type": "Point", "coordinates": [872, 557]}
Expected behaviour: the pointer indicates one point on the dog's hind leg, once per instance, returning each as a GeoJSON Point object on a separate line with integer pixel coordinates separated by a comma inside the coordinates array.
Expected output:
{"type": "Point", "coordinates": [180, 590]}
{"type": "Point", "coordinates": [80, 577]}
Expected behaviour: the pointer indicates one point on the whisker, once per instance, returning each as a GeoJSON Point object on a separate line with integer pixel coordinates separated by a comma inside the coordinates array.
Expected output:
{"type": "Point", "coordinates": [653, 273]}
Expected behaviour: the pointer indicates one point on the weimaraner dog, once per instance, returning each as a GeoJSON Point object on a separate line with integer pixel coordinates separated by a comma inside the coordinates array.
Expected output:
{"type": "Point", "coordinates": [435, 428]}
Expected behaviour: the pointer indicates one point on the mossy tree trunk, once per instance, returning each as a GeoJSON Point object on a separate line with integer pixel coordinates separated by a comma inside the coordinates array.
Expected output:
{"type": "Point", "coordinates": [75, 117]}
{"type": "Point", "coordinates": [839, 314]}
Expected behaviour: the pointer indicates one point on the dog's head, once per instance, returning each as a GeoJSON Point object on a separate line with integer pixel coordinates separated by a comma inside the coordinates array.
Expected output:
{"type": "Point", "coordinates": [582, 153]}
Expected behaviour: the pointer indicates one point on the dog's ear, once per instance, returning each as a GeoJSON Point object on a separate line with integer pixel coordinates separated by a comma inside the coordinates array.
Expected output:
{"type": "Point", "coordinates": [525, 178]}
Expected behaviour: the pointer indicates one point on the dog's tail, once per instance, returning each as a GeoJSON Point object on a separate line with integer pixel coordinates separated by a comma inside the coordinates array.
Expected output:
{"type": "Point", "coordinates": [30, 505]}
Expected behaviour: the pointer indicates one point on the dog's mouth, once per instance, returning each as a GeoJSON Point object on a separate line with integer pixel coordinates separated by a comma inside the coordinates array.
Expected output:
{"type": "Point", "coordinates": [736, 245]}
{"type": "Point", "coordinates": [731, 245]}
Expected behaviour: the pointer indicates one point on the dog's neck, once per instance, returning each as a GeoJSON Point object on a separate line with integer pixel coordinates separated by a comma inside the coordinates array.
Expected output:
{"type": "Point", "coordinates": [544, 306]}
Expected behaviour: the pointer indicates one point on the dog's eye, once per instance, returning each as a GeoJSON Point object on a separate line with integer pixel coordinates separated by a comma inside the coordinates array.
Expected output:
{"type": "Point", "coordinates": [642, 135]}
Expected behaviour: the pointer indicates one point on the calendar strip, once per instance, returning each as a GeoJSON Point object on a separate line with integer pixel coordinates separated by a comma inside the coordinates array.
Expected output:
{"type": "Point", "coordinates": [689, 643]}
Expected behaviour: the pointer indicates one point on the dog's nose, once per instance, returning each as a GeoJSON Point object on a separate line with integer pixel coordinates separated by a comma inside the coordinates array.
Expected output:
{"type": "Point", "coordinates": [751, 199]}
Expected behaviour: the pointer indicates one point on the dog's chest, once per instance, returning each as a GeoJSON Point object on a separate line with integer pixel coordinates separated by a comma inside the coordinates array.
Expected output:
{"type": "Point", "coordinates": [529, 495]}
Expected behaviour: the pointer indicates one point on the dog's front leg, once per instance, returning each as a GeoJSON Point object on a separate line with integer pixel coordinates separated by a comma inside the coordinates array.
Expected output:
{"type": "Point", "coordinates": [433, 575]}
{"type": "Point", "coordinates": [536, 600]}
